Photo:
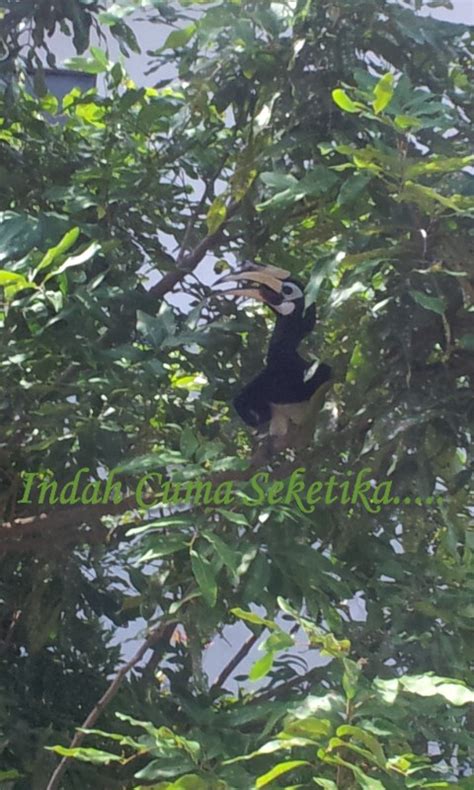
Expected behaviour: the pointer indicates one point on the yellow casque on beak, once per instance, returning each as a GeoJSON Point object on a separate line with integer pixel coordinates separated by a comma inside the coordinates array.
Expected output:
{"type": "Point", "coordinates": [271, 276]}
{"type": "Point", "coordinates": [247, 293]}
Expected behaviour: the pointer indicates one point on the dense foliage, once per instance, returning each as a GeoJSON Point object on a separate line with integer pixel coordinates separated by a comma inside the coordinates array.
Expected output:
{"type": "Point", "coordinates": [330, 138]}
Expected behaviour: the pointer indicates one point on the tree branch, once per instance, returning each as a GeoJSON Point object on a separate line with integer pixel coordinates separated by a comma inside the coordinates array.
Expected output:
{"type": "Point", "coordinates": [314, 674]}
{"type": "Point", "coordinates": [243, 651]}
{"type": "Point", "coordinates": [55, 520]}
{"type": "Point", "coordinates": [150, 642]}
{"type": "Point", "coordinates": [46, 525]}
{"type": "Point", "coordinates": [193, 258]}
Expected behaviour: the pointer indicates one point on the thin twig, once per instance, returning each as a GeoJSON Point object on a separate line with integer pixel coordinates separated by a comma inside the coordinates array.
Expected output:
{"type": "Point", "coordinates": [153, 638]}
{"type": "Point", "coordinates": [316, 673]}
{"type": "Point", "coordinates": [243, 651]}
{"type": "Point", "coordinates": [192, 259]}
{"type": "Point", "coordinates": [210, 184]}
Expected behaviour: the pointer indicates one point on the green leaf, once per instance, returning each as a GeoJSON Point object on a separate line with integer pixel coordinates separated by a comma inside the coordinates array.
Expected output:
{"type": "Point", "coordinates": [318, 181]}
{"type": "Point", "coordinates": [161, 546]}
{"type": "Point", "coordinates": [94, 756]}
{"type": "Point", "coordinates": [55, 298]}
{"type": "Point", "coordinates": [366, 738]}
{"type": "Point", "coordinates": [165, 767]}
{"type": "Point", "coordinates": [203, 573]}
{"type": "Point", "coordinates": [87, 65]}
{"type": "Point", "coordinates": [193, 383]}
{"type": "Point", "coordinates": [279, 181]}
{"type": "Point", "coordinates": [216, 215]}
{"type": "Point", "coordinates": [350, 678]}
{"type": "Point", "coordinates": [279, 770]}
{"type": "Point", "coordinates": [179, 38]}
{"type": "Point", "coordinates": [289, 190]}
{"type": "Point", "coordinates": [439, 164]}
{"type": "Point", "coordinates": [343, 101]}
{"type": "Point", "coordinates": [50, 104]}
{"type": "Point", "coordinates": [126, 38]}
{"type": "Point", "coordinates": [270, 747]}
{"type": "Point", "coordinates": [152, 461]}
{"type": "Point", "coordinates": [286, 607]}
{"type": "Point", "coordinates": [352, 188]}
{"type": "Point", "coordinates": [111, 17]}
{"type": "Point", "coordinates": [428, 198]}
{"type": "Point", "coordinates": [188, 443]}
{"type": "Point", "coordinates": [13, 278]}
{"type": "Point", "coordinates": [229, 557]}
{"type": "Point", "coordinates": [261, 667]}
{"type": "Point", "coordinates": [278, 640]}
{"type": "Point", "coordinates": [383, 93]}
{"type": "Point", "coordinates": [235, 518]}
{"type": "Point", "coordinates": [189, 782]}
{"type": "Point", "coordinates": [19, 232]}
{"type": "Point", "coordinates": [76, 260]}
{"type": "Point", "coordinates": [100, 56]}
{"type": "Point", "coordinates": [309, 727]}
{"type": "Point", "coordinates": [155, 329]}
{"type": "Point", "coordinates": [5, 776]}
{"type": "Point", "coordinates": [62, 247]}
{"type": "Point", "coordinates": [405, 122]}
{"type": "Point", "coordinates": [365, 782]}
{"type": "Point", "coordinates": [434, 303]}
{"type": "Point", "coordinates": [251, 617]}
{"type": "Point", "coordinates": [123, 740]}
{"type": "Point", "coordinates": [91, 113]}
{"type": "Point", "coordinates": [467, 342]}
{"type": "Point", "coordinates": [322, 271]}
{"type": "Point", "coordinates": [387, 689]}
{"type": "Point", "coordinates": [428, 685]}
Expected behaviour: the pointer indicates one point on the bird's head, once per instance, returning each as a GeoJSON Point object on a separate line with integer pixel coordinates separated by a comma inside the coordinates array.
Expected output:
{"type": "Point", "coordinates": [271, 285]}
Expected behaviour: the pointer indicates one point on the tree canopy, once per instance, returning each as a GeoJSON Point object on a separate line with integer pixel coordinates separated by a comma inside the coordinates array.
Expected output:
{"type": "Point", "coordinates": [328, 138]}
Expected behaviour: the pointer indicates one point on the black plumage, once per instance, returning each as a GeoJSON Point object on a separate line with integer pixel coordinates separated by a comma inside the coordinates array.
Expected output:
{"type": "Point", "coordinates": [283, 391]}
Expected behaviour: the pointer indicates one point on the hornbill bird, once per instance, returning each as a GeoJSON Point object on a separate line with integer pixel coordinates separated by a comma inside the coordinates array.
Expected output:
{"type": "Point", "coordinates": [283, 393]}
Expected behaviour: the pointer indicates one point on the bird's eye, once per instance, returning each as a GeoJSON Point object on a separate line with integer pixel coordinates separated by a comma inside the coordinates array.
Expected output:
{"type": "Point", "coordinates": [291, 291]}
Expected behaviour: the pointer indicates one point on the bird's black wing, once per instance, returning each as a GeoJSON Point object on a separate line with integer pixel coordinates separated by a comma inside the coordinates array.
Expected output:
{"type": "Point", "coordinates": [279, 384]}
{"type": "Point", "coordinates": [253, 403]}
{"type": "Point", "coordinates": [321, 375]}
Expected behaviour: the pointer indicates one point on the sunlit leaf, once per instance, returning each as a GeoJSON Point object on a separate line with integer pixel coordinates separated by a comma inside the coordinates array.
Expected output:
{"type": "Point", "coordinates": [343, 101]}
{"type": "Point", "coordinates": [62, 247]}
{"type": "Point", "coordinates": [429, 684]}
{"type": "Point", "coordinates": [261, 667]}
{"type": "Point", "coordinates": [179, 38]}
{"type": "Point", "coordinates": [383, 93]}
{"type": "Point", "coordinates": [216, 214]}
{"type": "Point", "coordinates": [252, 617]}
{"type": "Point", "coordinates": [94, 756]}
{"type": "Point", "coordinates": [279, 770]}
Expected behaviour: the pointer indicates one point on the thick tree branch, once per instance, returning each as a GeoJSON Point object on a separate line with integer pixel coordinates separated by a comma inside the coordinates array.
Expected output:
{"type": "Point", "coordinates": [60, 518]}
{"type": "Point", "coordinates": [25, 533]}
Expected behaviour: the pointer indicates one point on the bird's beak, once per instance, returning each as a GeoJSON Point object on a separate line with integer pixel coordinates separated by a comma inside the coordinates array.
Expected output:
{"type": "Point", "coordinates": [270, 277]}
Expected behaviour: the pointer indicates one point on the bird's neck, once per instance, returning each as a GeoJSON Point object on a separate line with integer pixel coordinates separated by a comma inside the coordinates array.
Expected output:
{"type": "Point", "coordinates": [286, 337]}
